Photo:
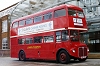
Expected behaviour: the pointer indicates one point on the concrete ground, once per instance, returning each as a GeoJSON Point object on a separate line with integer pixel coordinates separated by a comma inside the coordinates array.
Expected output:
{"type": "Point", "coordinates": [7, 61]}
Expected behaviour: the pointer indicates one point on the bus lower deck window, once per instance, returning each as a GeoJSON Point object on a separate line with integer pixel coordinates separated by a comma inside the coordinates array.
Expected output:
{"type": "Point", "coordinates": [21, 41]}
{"type": "Point", "coordinates": [48, 39]}
{"type": "Point", "coordinates": [29, 41]}
{"type": "Point", "coordinates": [58, 36]}
{"type": "Point", "coordinates": [38, 39]}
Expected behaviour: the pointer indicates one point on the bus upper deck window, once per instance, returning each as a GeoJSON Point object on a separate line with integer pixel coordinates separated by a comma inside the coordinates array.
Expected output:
{"type": "Point", "coordinates": [29, 21]}
{"type": "Point", "coordinates": [61, 12]}
{"type": "Point", "coordinates": [22, 23]}
{"type": "Point", "coordinates": [47, 16]}
{"type": "Point", "coordinates": [71, 12]}
{"type": "Point", "coordinates": [80, 14]}
{"type": "Point", "coordinates": [37, 19]}
{"type": "Point", "coordinates": [15, 25]}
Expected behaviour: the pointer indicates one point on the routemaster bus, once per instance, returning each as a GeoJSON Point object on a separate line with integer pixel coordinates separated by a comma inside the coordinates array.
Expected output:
{"type": "Point", "coordinates": [52, 34]}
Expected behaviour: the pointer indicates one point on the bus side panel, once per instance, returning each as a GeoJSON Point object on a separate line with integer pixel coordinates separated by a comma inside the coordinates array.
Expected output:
{"type": "Point", "coordinates": [60, 22]}
{"type": "Point", "coordinates": [14, 32]}
{"type": "Point", "coordinates": [31, 51]}
{"type": "Point", "coordinates": [47, 51]}
{"type": "Point", "coordinates": [14, 48]}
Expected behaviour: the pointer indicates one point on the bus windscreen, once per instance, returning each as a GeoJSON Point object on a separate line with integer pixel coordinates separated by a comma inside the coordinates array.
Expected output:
{"type": "Point", "coordinates": [72, 12]}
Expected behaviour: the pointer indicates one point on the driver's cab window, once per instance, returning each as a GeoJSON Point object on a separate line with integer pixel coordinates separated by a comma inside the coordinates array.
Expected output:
{"type": "Point", "coordinates": [74, 36]}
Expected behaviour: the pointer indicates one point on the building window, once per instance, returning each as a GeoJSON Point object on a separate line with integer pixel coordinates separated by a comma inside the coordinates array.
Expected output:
{"type": "Point", "coordinates": [94, 8]}
{"type": "Point", "coordinates": [89, 10]}
{"type": "Point", "coordinates": [4, 43]}
{"type": "Point", "coordinates": [4, 26]}
{"type": "Point", "coordinates": [88, 2]}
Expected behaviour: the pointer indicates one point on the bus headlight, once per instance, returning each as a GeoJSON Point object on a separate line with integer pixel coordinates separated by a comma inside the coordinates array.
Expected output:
{"type": "Point", "coordinates": [73, 51]}
{"type": "Point", "coordinates": [88, 49]}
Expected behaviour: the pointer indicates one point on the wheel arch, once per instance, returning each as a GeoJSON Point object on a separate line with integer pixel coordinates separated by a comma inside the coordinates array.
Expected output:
{"type": "Point", "coordinates": [22, 55]}
{"type": "Point", "coordinates": [21, 51]}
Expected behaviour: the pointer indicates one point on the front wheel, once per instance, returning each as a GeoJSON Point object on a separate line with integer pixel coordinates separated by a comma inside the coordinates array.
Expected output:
{"type": "Point", "coordinates": [63, 57]}
{"type": "Point", "coordinates": [22, 56]}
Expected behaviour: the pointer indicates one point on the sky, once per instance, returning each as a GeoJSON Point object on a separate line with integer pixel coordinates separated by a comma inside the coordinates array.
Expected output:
{"type": "Point", "coordinates": [6, 3]}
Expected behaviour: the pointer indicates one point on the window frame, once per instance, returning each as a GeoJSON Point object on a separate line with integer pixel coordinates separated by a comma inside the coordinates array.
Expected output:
{"type": "Point", "coordinates": [4, 26]}
{"type": "Point", "coordinates": [5, 43]}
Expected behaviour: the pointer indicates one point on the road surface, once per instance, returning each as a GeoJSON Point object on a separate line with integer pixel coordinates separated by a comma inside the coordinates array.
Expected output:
{"type": "Point", "coordinates": [7, 61]}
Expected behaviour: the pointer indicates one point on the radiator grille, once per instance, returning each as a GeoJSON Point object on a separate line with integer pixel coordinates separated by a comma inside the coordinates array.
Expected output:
{"type": "Point", "coordinates": [82, 52]}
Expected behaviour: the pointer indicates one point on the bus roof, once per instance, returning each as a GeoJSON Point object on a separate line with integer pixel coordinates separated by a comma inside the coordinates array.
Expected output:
{"type": "Point", "coordinates": [50, 10]}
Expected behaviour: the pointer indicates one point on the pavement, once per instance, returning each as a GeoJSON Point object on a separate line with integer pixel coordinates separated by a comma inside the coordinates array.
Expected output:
{"type": "Point", "coordinates": [7, 61]}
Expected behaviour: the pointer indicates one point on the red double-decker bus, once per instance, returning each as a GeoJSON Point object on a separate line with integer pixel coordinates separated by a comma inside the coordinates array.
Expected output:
{"type": "Point", "coordinates": [53, 34]}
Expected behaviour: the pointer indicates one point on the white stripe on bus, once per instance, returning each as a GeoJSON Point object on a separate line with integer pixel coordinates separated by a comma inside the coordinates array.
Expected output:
{"type": "Point", "coordinates": [38, 32]}
{"type": "Point", "coordinates": [50, 31]}
{"type": "Point", "coordinates": [77, 28]}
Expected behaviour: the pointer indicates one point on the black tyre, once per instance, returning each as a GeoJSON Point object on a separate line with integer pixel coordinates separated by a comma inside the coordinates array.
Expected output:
{"type": "Point", "coordinates": [22, 56]}
{"type": "Point", "coordinates": [63, 57]}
